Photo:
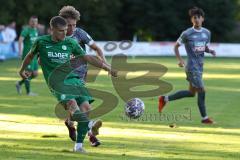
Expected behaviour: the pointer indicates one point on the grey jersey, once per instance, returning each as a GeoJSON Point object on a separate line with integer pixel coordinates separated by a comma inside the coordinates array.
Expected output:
{"type": "Point", "coordinates": [195, 42]}
{"type": "Point", "coordinates": [83, 39]}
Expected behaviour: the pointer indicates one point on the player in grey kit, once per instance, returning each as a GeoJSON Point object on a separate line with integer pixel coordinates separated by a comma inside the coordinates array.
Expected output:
{"type": "Point", "coordinates": [196, 40]}
{"type": "Point", "coordinates": [72, 16]}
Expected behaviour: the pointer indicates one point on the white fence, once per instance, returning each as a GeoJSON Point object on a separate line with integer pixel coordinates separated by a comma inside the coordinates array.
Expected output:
{"type": "Point", "coordinates": [160, 49]}
{"type": "Point", "coordinates": [138, 49]}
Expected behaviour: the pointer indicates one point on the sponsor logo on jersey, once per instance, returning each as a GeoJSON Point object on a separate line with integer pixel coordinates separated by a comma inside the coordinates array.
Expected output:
{"type": "Point", "coordinates": [64, 47]}
{"type": "Point", "coordinates": [199, 46]}
{"type": "Point", "coordinates": [63, 96]}
{"type": "Point", "coordinates": [57, 55]}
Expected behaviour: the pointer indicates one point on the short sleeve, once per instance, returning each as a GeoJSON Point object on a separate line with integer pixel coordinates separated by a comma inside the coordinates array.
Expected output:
{"type": "Point", "coordinates": [85, 37]}
{"type": "Point", "coordinates": [24, 33]}
{"type": "Point", "coordinates": [209, 38]}
{"type": "Point", "coordinates": [182, 39]}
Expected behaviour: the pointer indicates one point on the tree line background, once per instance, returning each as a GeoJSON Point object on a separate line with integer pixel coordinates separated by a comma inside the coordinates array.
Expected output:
{"type": "Point", "coordinates": [150, 20]}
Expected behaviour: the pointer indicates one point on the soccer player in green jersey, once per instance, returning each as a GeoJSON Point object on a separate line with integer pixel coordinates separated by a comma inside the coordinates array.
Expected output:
{"type": "Point", "coordinates": [55, 51]}
{"type": "Point", "coordinates": [27, 37]}
{"type": "Point", "coordinates": [72, 16]}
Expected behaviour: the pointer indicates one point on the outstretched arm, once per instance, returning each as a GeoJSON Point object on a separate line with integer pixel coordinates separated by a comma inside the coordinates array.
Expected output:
{"type": "Point", "coordinates": [98, 63]}
{"type": "Point", "coordinates": [99, 53]}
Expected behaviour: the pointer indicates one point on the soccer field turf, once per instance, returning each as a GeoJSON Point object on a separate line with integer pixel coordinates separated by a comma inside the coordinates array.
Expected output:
{"type": "Point", "coordinates": [29, 128]}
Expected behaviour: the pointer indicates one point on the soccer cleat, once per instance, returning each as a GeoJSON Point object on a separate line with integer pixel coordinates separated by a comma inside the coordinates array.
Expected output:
{"type": "Point", "coordinates": [32, 94]}
{"type": "Point", "coordinates": [18, 87]}
{"type": "Point", "coordinates": [79, 150]}
{"type": "Point", "coordinates": [94, 141]}
{"type": "Point", "coordinates": [71, 130]}
{"type": "Point", "coordinates": [207, 121]}
{"type": "Point", "coordinates": [95, 127]}
{"type": "Point", "coordinates": [161, 103]}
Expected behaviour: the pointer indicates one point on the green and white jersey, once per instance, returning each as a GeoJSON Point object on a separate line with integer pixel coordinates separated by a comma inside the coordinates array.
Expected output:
{"type": "Point", "coordinates": [30, 35]}
{"type": "Point", "coordinates": [53, 54]}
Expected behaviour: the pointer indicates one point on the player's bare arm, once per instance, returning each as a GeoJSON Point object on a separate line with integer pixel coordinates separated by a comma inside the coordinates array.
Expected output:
{"type": "Point", "coordinates": [181, 62]}
{"type": "Point", "coordinates": [20, 44]}
{"type": "Point", "coordinates": [96, 62]}
{"type": "Point", "coordinates": [99, 53]}
{"type": "Point", "coordinates": [27, 60]}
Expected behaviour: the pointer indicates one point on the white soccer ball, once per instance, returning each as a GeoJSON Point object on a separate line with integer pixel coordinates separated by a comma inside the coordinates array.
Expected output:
{"type": "Point", "coordinates": [134, 108]}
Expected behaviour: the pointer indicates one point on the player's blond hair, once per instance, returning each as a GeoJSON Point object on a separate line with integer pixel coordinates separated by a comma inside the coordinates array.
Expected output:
{"type": "Point", "coordinates": [69, 12]}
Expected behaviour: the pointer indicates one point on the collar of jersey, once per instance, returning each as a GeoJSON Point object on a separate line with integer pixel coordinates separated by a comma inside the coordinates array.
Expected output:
{"type": "Point", "coordinates": [70, 36]}
{"type": "Point", "coordinates": [197, 30]}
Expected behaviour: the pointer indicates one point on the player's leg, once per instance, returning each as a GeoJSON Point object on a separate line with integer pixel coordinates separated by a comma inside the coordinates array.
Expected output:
{"type": "Point", "coordinates": [19, 83]}
{"type": "Point", "coordinates": [77, 115]}
{"type": "Point", "coordinates": [34, 73]}
{"type": "Point", "coordinates": [202, 106]}
{"type": "Point", "coordinates": [93, 125]}
{"type": "Point", "coordinates": [18, 86]}
{"type": "Point", "coordinates": [84, 125]}
{"type": "Point", "coordinates": [71, 129]}
{"type": "Point", "coordinates": [24, 81]}
{"type": "Point", "coordinates": [70, 125]}
{"type": "Point", "coordinates": [198, 86]}
{"type": "Point", "coordinates": [177, 95]}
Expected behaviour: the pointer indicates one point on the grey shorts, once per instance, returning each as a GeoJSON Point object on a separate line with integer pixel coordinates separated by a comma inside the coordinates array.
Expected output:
{"type": "Point", "coordinates": [195, 78]}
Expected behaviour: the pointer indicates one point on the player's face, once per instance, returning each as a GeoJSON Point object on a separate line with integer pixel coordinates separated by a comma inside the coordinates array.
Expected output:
{"type": "Point", "coordinates": [33, 22]}
{"type": "Point", "coordinates": [59, 33]}
{"type": "Point", "coordinates": [197, 21]}
{"type": "Point", "coordinates": [71, 26]}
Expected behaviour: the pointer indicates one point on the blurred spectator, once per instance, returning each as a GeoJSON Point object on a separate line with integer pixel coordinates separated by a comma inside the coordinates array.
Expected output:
{"type": "Point", "coordinates": [9, 33]}
{"type": "Point", "coordinates": [7, 38]}
{"type": "Point", "coordinates": [41, 29]}
{"type": "Point", "coordinates": [1, 29]}
{"type": "Point", "coordinates": [2, 57]}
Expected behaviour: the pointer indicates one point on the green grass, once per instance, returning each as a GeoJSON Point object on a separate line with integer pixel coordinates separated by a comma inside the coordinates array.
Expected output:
{"type": "Point", "coordinates": [29, 128]}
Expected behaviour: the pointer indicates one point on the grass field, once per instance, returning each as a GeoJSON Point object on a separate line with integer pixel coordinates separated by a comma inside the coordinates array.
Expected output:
{"type": "Point", "coordinates": [29, 128]}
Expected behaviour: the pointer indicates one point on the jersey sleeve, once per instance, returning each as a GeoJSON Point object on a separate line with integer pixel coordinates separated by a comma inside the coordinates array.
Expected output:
{"type": "Point", "coordinates": [24, 33]}
{"type": "Point", "coordinates": [209, 38]}
{"type": "Point", "coordinates": [77, 49]}
{"type": "Point", "coordinates": [35, 47]}
{"type": "Point", "coordinates": [86, 38]}
{"type": "Point", "coordinates": [183, 38]}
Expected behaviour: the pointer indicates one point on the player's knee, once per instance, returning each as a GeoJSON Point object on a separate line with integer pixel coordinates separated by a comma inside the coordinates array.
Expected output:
{"type": "Point", "coordinates": [72, 105]}
{"type": "Point", "coordinates": [85, 107]}
{"type": "Point", "coordinates": [192, 93]}
{"type": "Point", "coordinates": [200, 90]}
